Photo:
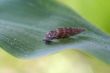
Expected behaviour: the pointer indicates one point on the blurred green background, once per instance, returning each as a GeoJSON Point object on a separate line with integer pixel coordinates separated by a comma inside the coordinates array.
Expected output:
{"type": "Point", "coordinates": [95, 11]}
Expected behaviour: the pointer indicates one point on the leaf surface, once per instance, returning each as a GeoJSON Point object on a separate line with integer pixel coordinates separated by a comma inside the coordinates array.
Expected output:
{"type": "Point", "coordinates": [23, 24]}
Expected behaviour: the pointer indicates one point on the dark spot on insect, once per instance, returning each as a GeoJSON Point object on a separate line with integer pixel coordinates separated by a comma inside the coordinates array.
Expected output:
{"type": "Point", "coordinates": [61, 33]}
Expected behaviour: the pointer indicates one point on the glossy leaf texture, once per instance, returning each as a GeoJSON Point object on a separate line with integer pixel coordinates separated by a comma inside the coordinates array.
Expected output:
{"type": "Point", "coordinates": [23, 24]}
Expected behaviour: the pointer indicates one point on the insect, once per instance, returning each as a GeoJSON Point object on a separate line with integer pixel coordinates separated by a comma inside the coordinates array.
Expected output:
{"type": "Point", "coordinates": [60, 33]}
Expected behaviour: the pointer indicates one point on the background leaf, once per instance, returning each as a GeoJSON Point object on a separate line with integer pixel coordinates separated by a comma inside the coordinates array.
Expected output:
{"type": "Point", "coordinates": [23, 24]}
{"type": "Point", "coordinates": [95, 11]}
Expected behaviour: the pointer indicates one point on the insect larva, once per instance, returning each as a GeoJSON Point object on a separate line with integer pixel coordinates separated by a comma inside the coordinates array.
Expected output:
{"type": "Point", "coordinates": [60, 33]}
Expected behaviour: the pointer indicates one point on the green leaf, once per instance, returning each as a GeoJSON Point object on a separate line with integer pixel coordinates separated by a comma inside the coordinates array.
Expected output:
{"type": "Point", "coordinates": [23, 24]}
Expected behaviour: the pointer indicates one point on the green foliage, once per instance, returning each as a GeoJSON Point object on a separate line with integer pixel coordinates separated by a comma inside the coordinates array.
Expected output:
{"type": "Point", "coordinates": [95, 11]}
{"type": "Point", "coordinates": [23, 24]}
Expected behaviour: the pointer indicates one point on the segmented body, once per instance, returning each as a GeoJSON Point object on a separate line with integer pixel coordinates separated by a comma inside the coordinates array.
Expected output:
{"type": "Point", "coordinates": [62, 33]}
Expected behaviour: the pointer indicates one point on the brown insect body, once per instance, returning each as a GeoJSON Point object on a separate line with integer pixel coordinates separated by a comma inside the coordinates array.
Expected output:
{"type": "Point", "coordinates": [62, 33]}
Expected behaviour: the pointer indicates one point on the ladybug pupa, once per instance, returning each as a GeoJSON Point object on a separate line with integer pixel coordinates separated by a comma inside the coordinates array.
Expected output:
{"type": "Point", "coordinates": [60, 33]}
